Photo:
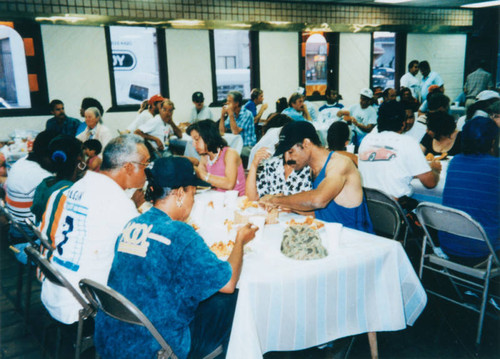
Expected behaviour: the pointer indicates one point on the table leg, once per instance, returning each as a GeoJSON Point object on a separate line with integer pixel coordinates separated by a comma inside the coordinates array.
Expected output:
{"type": "Point", "coordinates": [372, 340]}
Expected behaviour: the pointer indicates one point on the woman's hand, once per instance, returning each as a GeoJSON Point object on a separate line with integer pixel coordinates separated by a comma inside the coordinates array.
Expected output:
{"type": "Point", "coordinates": [246, 233]}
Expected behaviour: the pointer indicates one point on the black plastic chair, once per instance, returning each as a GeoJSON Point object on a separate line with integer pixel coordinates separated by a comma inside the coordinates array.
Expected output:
{"type": "Point", "coordinates": [387, 216]}
{"type": "Point", "coordinates": [474, 278]}
{"type": "Point", "coordinates": [53, 275]}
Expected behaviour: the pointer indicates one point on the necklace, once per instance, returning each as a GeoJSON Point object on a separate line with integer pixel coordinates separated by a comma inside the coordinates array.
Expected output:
{"type": "Point", "coordinates": [211, 162]}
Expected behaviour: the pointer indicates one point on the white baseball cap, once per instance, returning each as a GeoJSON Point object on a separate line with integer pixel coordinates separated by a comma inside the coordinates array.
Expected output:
{"type": "Point", "coordinates": [487, 95]}
{"type": "Point", "coordinates": [366, 92]}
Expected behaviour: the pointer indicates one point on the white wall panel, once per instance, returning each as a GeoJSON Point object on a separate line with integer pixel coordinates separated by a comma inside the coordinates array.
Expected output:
{"type": "Point", "coordinates": [446, 55]}
{"type": "Point", "coordinates": [354, 63]}
{"type": "Point", "coordinates": [279, 66]}
{"type": "Point", "coordinates": [189, 70]}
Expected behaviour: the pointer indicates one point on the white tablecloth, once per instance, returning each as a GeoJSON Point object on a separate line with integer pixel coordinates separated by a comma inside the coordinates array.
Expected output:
{"type": "Point", "coordinates": [233, 141]}
{"type": "Point", "coordinates": [435, 195]}
{"type": "Point", "coordinates": [368, 284]}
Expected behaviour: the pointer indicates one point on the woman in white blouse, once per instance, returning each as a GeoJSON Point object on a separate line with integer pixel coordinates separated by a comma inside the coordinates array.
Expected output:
{"type": "Point", "coordinates": [95, 130]}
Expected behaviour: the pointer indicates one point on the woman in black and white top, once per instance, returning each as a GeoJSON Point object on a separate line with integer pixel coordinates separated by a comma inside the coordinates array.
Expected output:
{"type": "Point", "coordinates": [275, 176]}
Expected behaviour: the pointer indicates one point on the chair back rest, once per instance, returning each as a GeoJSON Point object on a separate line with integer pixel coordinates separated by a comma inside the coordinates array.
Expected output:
{"type": "Point", "coordinates": [43, 239]}
{"type": "Point", "coordinates": [385, 213]}
{"type": "Point", "coordinates": [54, 276]}
{"type": "Point", "coordinates": [117, 306]}
{"type": "Point", "coordinates": [5, 211]}
{"type": "Point", "coordinates": [453, 221]}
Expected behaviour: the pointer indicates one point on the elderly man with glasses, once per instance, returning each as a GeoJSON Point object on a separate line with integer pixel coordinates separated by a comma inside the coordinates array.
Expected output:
{"type": "Point", "coordinates": [84, 220]}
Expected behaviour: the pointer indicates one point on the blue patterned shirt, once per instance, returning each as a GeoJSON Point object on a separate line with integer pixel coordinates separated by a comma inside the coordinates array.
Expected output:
{"type": "Point", "coordinates": [69, 127]}
{"type": "Point", "coordinates": [165, 268]}
{"type": "Point", "coordinates": [245, 122]}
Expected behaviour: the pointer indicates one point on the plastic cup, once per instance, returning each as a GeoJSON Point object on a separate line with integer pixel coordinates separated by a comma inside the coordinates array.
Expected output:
{"type": "Point", "coordinates": [259, 222]}
{"type": "Point", "coordinates": [332, 236]}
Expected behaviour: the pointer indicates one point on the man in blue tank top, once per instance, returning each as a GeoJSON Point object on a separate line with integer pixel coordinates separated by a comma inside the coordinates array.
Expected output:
{"type": "Point", "coordinates": [337, 195]}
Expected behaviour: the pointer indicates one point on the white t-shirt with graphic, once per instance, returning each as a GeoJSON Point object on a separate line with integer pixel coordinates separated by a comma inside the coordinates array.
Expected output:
{"type": "Point", "coordinates": [388, 161]}
{"type": "Point", "coordinates": [86, 223]}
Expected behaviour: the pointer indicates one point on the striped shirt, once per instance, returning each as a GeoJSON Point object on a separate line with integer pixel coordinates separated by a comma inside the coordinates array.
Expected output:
{"type": "Point", "coordinates": [24, 177]}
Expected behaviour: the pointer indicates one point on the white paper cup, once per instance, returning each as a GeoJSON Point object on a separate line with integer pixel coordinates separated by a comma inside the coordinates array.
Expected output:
{"type": "Point", "coordinates": [332, 236]}
{"type": "Point", "coordinates": [350, 148]}
{"type": "Point", "coordinates": [259, 222]}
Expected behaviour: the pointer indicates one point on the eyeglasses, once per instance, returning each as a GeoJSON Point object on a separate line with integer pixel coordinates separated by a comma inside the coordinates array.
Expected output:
{"type": "Point", "coordinates": [145, 164]}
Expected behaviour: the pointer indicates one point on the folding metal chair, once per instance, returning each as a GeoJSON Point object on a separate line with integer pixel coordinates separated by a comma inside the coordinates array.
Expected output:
{"type": "Point", "coordinates": [387, 216]}
{"type": "Point", "coordinates": [19, 286]}
{"type": "Point", "coordinates": [117, 306]}
{"type": "Point", "coordinates": [446, 219]}
{"type": "Point", "coordinates": [53, 275]}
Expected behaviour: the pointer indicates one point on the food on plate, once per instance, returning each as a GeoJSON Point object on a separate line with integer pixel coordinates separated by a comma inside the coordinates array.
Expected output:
{"type": "Point", "coordinates": [309, 221]}
{"type": "Point", "coordinates": [229, 224]}
{"type": "Point", "coordinates": [302, 242]}
{"type": "Point", "coordinates": [430, 157]}
{"type": "Point", "coordinates": [195, 226]}
{"type": "Point", "coordinates": [247, 209]}
{"type": "Point", "coordinates": [244, 203]}
{"type": "Point", "coordinates": [211, 204]}
{"type": "Point", "coordinates": [222, 249]}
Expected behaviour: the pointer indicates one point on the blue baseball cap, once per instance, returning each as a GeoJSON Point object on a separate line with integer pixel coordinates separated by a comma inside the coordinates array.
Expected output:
{"type": "Point", "coordinates": [174, 172]}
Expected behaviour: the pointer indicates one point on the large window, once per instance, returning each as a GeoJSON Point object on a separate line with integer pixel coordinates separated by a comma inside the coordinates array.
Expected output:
{"type": "Point", "coordinates": [384, 59]}
{"type": "Point", "coordinates": [234, 62]}
{"type": "Point", "coordinates": [136, 56]}
{"type": "Point", "coordinates": [318, 63]}
{"type": "Point", "coordinates": [23, 88]}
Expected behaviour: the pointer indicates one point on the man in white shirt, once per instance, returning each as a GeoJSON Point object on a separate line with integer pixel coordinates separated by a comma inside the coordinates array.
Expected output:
{"type": "Point", "coordinates": [154, 104]}
{"type": "Point", "coordinates": [389, 160]}
{"type": "Point", "coordinates": [159, 129]}
{"type": "Point", "coordinates": [199, 111]}
{"type": "Point", "coordinates": [362, 117]}
{"type": "Point", "coordinates": [83, 222]}
{"type": "Point", "coordinates": [410, 80]}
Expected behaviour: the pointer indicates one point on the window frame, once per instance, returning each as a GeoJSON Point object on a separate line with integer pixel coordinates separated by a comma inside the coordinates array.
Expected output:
{"type": "Point", "coordinates": [162, 69]}
{"type": "Point", "coordinates": [35, 65]}
{"type": "Point", "coordinates": [332, 62]}
{"type": "Point", "coordinates": [399, 60]}
{"type": "Point", "coordinates": [254, 65]}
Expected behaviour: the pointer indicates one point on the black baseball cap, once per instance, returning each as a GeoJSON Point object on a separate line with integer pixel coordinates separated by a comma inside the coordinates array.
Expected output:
{"type": "Point", "coordinates": [198, 97]}
{"type": "Point", "coordinates": [293, 133]}
{"type": "Point", "coordinates": [174, 172]}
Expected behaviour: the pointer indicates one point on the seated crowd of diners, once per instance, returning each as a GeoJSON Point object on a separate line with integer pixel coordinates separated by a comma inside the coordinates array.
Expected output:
{"type": "Point", "coordinates": [84, 189]}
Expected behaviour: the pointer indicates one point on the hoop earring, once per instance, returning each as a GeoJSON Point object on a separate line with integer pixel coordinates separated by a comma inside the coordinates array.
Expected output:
{"type": "Point", "coordinates": [81, 166]}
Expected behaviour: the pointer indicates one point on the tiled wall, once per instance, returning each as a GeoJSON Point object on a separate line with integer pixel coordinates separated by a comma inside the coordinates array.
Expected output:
{"type": "Point", "coordinates": [243, 11]}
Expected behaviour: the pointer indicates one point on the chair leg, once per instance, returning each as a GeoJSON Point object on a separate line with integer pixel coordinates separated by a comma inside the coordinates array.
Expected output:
{"type": "Point", "coordinates": [27, 304]}
{"type": "Point", "coordinates": [79, 334]}
{"type": "Point", "coordinates": [484, 300]}
{"type": "Point", "coordinates": [19, 286]}
{"type": "Point", "coordinates": [372, 340]}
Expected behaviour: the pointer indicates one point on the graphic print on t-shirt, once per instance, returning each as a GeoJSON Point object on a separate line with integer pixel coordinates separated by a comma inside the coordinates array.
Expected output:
{"type": "Point", "coordinates": [378, 153]}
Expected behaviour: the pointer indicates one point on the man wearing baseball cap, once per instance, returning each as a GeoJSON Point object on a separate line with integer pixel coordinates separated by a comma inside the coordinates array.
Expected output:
{"type": "Point", "coordinates": [165, 268]}
{"type": "Point", "coordinates": [154, 104]}
{"type": "Point", "coordinates": [337, 195]}
{"type": "Point", "coordinates": [361, 117]}
{"type": "Point", "coordinates": [199, 111]}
